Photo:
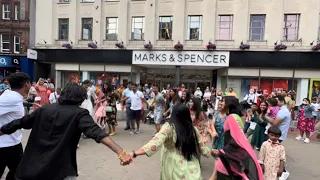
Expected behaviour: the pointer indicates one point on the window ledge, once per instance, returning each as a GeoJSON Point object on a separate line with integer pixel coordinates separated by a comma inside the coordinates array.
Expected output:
{"type": "Point", "coordinates": [225, 43]}
{"type": "Point", "coordinates": [292, 43]}
{"type": "Point", "coordinates": [63, 3]}
{"type": "Point", "coordinates": [258, 43]}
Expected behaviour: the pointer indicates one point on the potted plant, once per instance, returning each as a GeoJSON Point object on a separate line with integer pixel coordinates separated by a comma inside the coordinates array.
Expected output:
{"type": "Point", "coordinates": [92, 45]}
{"type": "Point", "coordinates": [119, 45]}
{"type": "Point", "coordinates": [66, 45]}
{"type": "Point", "coordinates": [178, 46]}
{"type": "Point", "coordinates": [211, 46]}
{"type": "Point", "coordinates": [280, 47]}
{"type": "Point", "coordinates": [148, 46]}
{"type": "Point", "coordinates": [244, 46]}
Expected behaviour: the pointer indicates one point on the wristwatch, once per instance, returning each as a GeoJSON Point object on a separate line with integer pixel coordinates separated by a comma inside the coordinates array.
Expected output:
{"type": "Point", "coordinates": [134, 154]}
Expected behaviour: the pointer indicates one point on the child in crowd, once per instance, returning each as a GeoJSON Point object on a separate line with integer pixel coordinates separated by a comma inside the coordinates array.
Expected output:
{"type": "Point", "coordinates": [273, 110]}
{"type": "Point", "coordinates": [101, 112]}
{"type": "Point", "coordinates": [272, 155]}
{"type": "Point", "coordinates": [252, 124]}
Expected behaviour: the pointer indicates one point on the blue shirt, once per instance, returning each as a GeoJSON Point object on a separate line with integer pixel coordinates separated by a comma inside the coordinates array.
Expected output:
{"type": "Point", "coordinates": [285, 118]}
{"type": "Point", "coordinates": [126, 93]}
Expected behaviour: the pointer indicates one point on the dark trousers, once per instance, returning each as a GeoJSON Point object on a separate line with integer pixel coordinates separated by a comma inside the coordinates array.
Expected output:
{"type": "Point", "coordinates": [10, 157]}
{"type": "Point", "coordinates": [128, 114]}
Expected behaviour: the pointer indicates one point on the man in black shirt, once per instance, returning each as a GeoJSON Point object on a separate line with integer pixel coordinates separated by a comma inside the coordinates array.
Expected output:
{"type": "Point", "coordinates": [50, 153]}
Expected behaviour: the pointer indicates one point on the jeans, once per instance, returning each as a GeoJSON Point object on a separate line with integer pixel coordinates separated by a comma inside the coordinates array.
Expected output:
{"type": "Point", "coordinates": [128, 113]}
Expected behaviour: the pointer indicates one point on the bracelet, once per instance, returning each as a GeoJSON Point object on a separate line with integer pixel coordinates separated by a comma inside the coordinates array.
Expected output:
{"type": "Point", "coordinates": [134, 154]}
{"type": "Point", "coordinates": [121, 155]}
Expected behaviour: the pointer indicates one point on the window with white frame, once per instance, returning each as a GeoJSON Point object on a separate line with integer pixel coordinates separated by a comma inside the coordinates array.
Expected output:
{"type": "Point", "coordinates": [16, 12]}
{"type": "Point", "coordinates": [257, 25]}
{"type": "Point", "coordinates": [137, 32]}
{"type": "Point", "coordinates": [291, 27]}
{"type": "Point", "coordinates": [224, 27]}
{"type": "Point", "coordinates": [194, 28]}
{"type": "Point", "coordinates": [87, 28]}
{"type": "Point", "coordinates": [16, 40]}
{"type": "Point", "coordinates": [6, 11]}
{"type": "Point", "coordinates": [112, 29]}
{"type": "Point", "coordinates": [165, 28]}
{"type": "Point", "coordinates": [4, 43]}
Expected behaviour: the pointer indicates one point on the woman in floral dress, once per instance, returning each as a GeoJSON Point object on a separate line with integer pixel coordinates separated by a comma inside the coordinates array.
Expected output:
{"type": "Point", "coordinates": [111, 113]}
{"type": "Point", "coordinates": [181, 147]}
{"type": "Point", "coordinates": [306, 123]}
{"type": "Point", "coordinates": [199, 119]}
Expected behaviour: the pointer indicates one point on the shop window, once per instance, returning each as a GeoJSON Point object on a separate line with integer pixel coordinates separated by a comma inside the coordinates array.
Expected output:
{"type": "Point", "coordinates": [165, 28]}
{"type": "Point", "coordinates": [137, 28]}
{"type": "Point", "coordinates": [16, 40]}
{"type": "Point", "coordinates": [64, 29]}
{"type": "Point", "coordinates": [87, 28]}
{"type": "Point", "coordinates": [225, 26]}
{"type": "Point", "coordinates": [194, 28]}
{"type": "Point", "coordinates": [257, 25]}
{"type": "Point", "coordinates": [291, 27]}
{"type": "Point", "coordinates": [6, 11]}
{"type": "Point", "coordinates": [112, 29]}
{"type": "Point", "coordinates": [5, 43]}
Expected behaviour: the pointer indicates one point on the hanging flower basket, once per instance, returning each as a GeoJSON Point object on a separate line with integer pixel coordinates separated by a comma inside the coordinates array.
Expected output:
{"type": "Point", "coordinates": [211, 46]}
{"type": "Point", "coordinates": [66, 45]}
{"type": "Point", "coordinates": [92, 45]}
{"type": "Point", "coordinates": [244, 46]}
{"type": "Point", "coordinates": [178, 46]}
{"type": "Point", "coordinates": [119, 45]}
{"type": "Point", "coordinates": [316, 47]}
{"type": "Point", "coordinates": [280, 47]}
{"type": "Point", "coordinates": [148, 46]}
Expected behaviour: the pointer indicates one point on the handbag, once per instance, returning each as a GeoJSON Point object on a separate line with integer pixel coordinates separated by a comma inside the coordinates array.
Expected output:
{"type": "Point", "coordinates": [108, 109]}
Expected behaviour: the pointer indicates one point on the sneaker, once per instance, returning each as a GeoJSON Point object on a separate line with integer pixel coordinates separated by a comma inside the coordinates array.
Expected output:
{"type": "Point", "coordinates": [127, 128]}
{"type": "Point", "coordinates": [284, 176]}
{"type": "Point", "coordinates": [307, 140]}
{"type": "Point", "coordinates": [137, 132]}
{"type": "Point", "coordinates": [299, 138]}
{"type": "Point", "coordinates": [132, 132]}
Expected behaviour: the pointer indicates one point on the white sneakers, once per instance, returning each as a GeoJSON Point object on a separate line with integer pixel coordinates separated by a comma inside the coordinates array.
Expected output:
{"type": "Point", "coordinates": [306, 140]}
{"type": "Point", "coordinates": [284, 176]}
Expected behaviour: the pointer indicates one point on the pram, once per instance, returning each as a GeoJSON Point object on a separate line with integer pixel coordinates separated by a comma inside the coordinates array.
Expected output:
{"type": "Point", "coordinates": [149, 118]}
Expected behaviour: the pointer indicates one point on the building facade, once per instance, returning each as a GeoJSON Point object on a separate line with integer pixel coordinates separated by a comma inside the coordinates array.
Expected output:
{"type": "Point", "coordinates": [69, 26]}
{"type": "Point", "coordinates": [14, 37]}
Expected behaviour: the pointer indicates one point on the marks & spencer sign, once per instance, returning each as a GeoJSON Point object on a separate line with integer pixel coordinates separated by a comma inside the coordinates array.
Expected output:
{"type": "Point", "coordinates": [181, 58]}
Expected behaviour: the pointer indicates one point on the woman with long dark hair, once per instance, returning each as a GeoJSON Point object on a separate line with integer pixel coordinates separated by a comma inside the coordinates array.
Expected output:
{"type": "Point", "coordinates": [172, 100]}
{"type": "Point", "coordinates": [185, 98]}
{"type": "Point", "coordinates": [237, 160]}
{"type": "Point", "coordinates": [259, 117]}
{"type": "Point", "coordinates": [181, 147]}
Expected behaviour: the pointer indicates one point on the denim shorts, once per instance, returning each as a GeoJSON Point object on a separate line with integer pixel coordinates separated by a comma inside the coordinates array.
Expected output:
{"type": "Point", "coordinates": [158, 117]}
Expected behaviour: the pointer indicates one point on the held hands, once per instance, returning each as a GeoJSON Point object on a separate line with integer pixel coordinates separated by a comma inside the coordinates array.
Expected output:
{"type": "Point", "coordinates": [125, 158]}
{"type": "Point", "coordinates": [215, 152]}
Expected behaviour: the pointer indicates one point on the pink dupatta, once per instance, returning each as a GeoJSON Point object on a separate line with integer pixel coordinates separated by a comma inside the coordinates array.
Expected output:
{"type": "Point", "coordinates": [237, 154]}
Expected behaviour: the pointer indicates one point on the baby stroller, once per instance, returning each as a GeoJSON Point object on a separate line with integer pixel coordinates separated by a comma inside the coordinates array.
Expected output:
{"type": "Point", "coordinates": [149, 118]}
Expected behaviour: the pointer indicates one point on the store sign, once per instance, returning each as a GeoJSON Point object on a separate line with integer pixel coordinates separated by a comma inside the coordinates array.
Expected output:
{"type": "Point", "coordinates": [32, 54]}
{"type": "Point", "coordinates": [181, 58]}
{"type": "Point", "coordinates": [8, 61]}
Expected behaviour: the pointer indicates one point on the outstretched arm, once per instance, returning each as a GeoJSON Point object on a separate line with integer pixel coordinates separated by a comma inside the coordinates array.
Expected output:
{"type": "Point", "coordinates": [26, 123]}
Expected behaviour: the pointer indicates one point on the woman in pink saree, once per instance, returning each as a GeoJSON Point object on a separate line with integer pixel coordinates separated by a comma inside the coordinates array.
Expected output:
{"type": "Point", "coordinates": [42, 93]}
{"type": "Point", "coordinates": [237, 160]}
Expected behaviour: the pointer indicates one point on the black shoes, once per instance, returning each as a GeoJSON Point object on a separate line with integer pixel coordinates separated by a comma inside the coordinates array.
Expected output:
{"type": "Point", "coordinates": [127, 128]}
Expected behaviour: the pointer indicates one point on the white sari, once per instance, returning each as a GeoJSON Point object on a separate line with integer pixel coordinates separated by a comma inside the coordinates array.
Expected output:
{"type": "Point", "coordinates": [87, 104]}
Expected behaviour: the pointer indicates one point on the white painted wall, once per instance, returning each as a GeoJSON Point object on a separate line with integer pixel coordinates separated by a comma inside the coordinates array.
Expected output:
{"type": "Point", "coordinates": [302, 90]}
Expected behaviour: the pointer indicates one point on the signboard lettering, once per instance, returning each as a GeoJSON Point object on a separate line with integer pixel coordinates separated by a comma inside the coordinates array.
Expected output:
{"type": "Point", "coordinates": [187, 58]}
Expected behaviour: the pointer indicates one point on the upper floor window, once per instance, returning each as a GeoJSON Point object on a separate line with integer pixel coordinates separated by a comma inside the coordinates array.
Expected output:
{"type": "Point", "coordinates": [16, 40]}
{"type": "Point", "coordinates": [137, 32]}
{"type": "Point", "coordinates": [165, 28]}
{"type": "Point", "coordinates": [112, 29]}
{"type": "Point", "coordinates": [225, 27]}
{"type": "Point", "coordinates": [194, 27]}
{"type": "Point", "coordinates": [6, 11]}
{"type": "Point", "coordinates": [4, 43]}
{"type": "Point", "coordinates": [63, 29]}
{"type": "Point", "coordinates": [87, 28]}
{"type": "Point", "coordinates": [16, 12]}
{"type": "Point", "coordinates": [257, 25]}
{"type": "Point", "coordinates": [291, 27]}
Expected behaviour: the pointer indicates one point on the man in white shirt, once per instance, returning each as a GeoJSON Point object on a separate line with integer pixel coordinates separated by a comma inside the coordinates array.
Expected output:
{"type": "Point", "coordinates": [136, 98]}
{"type": "Point", "coordinates": [54, 96]}
{"type": "Point", "coordinates": [11, 108]}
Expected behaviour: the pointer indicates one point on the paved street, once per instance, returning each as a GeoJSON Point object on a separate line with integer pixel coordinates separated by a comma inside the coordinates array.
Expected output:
{"type": "Point", "coordinates": [97, 162]}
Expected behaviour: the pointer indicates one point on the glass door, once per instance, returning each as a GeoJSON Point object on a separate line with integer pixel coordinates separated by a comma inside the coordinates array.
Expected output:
{"type": "Point", "coordinates": [203, 85]}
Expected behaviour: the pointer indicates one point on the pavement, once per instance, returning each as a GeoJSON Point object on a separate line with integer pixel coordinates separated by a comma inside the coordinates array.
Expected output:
{"type": "Point", "coordinates": [97, 162]}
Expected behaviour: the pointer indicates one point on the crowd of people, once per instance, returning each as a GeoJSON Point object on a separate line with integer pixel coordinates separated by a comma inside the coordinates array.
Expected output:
{"type": "Point", "coordinates": [188, 125]}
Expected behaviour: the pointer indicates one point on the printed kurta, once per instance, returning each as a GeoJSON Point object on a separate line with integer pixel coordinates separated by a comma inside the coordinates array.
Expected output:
{"type": "Point", "coordinates": [270, 156]}
{"type": "Point", "coordinates": [173, 165]}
